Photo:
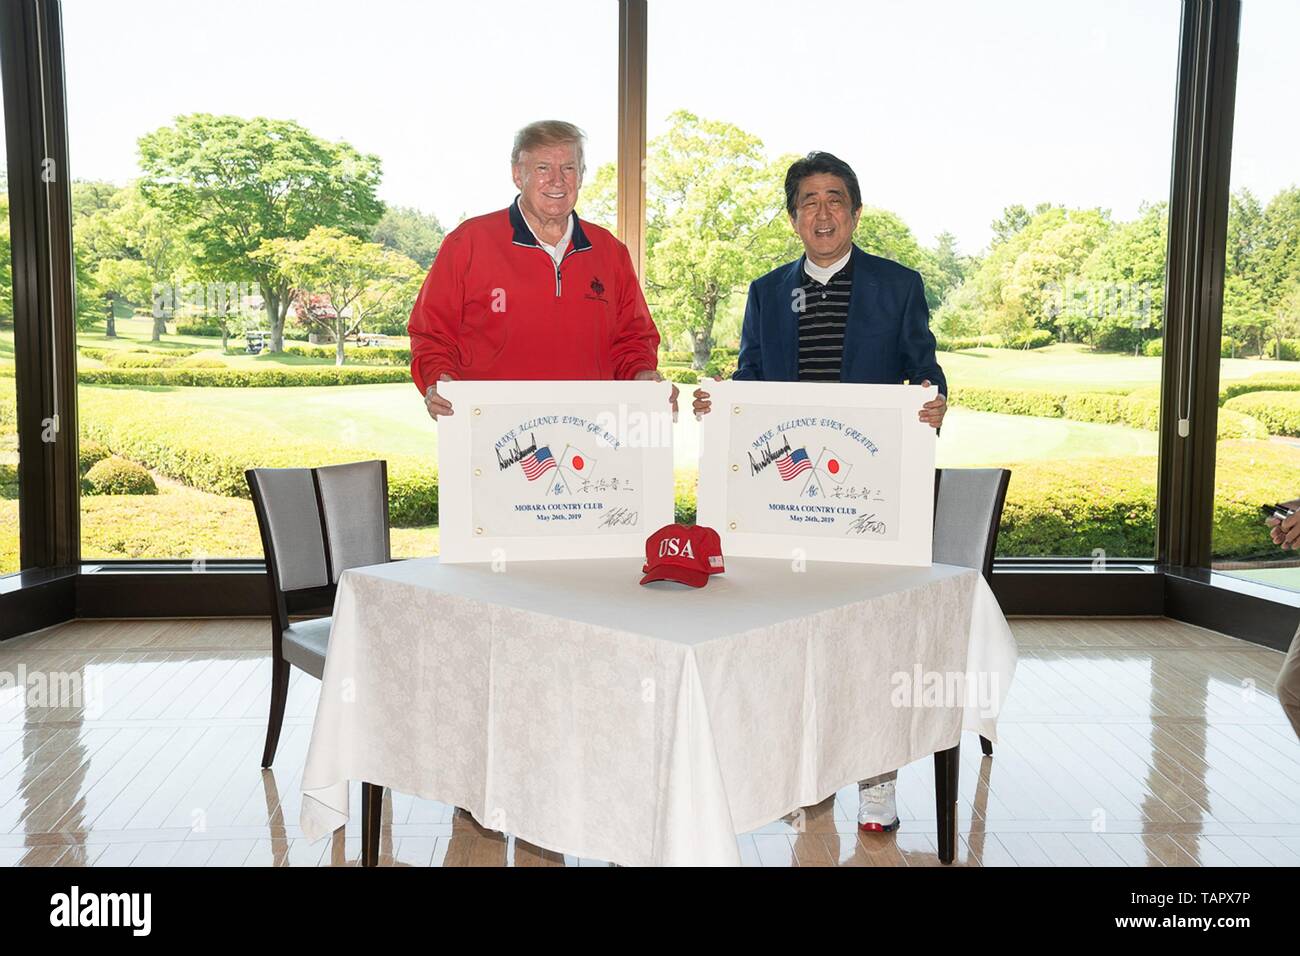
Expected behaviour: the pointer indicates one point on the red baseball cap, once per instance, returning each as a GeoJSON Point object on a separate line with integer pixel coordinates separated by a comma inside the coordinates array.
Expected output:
{"type": "Point", "coordinates": [687, 554]}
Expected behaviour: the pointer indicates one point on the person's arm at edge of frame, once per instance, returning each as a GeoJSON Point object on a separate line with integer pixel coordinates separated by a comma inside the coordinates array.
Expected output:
{"type": "Point", "coordinates": [920, 365]}
{"type": "Point", "coordinates": [634, 350]}
{"type": "Point", "coordinates": [434, 325]}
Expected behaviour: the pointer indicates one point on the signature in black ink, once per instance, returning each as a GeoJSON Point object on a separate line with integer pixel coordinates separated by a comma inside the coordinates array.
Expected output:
{"type": "Point", "coordinates": [864, 523]}
{"type": "Point", "coordinates": [767, 456]}
{"type": "Point", "coordinates": [618, 517]}
{"type": "Point", "coordinates": [515, 455]}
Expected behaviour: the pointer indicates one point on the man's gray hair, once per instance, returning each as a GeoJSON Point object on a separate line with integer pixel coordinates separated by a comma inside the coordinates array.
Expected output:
{"type": "Point", "coordinates": [549, 133]}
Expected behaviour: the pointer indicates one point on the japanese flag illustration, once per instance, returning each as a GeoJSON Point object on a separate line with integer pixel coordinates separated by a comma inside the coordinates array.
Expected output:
{"type": "Point", "coordinates": [832, 466]}
{"type": "Point", "coordinates": [575, 462]}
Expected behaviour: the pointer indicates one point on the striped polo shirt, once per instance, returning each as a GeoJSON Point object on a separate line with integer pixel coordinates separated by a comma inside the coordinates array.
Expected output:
{"type": "Point", "coordinates": [821, 325]}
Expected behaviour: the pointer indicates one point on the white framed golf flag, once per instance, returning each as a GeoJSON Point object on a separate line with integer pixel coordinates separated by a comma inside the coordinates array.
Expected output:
{"type": "Point", "coordinates": [540, 470]}
{"type": "Point", "coordinates": [824, 471]}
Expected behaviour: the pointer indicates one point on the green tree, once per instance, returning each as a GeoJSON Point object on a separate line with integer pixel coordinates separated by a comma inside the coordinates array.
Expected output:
{"type": "Point", "coordinates": [1013, 219]}
{"type": "Point", "coordinates": [1025, 279]}
{"type": "Point", "coordinates": [715, 220]}
{"type": "Point", "coordinates": [234, 183]}
{"type": "Point", "coordinates": [355, 281]}
{"type": "Point", "coordinates": [414, 234]}
{"type": "Point", "coordinates": [130, 251]}
{"type": "Point", "coordinates": [1124, 280]}
{"type": "Point", "coordinates": [883, 233]}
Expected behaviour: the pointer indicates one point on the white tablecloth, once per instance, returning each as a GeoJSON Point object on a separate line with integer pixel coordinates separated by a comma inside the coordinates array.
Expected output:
{"type": "Point", "coordinates": [567, 704]}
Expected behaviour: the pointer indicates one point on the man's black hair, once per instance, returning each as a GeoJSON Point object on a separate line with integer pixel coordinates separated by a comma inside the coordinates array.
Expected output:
{"type": "Point", "coordinates": [819, 162]}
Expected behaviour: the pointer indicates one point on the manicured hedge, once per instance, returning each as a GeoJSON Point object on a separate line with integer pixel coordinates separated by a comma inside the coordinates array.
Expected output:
{"type": "Point", "coordinates": [1033, 339]}
{"type": "Point", "coordinates": [90, 453]}
{"type": "Point", "coordinates": [1010, 401]}
{"type": "Point", "coordinates": [944, 343]}
{"type": "Point", "coordinates": [140, 360]}
{"type": "Point", "coordinates": [123, 357]}
{"type": "Point", "coordinates": [1108, 408]}
{"type": "Point", "coordinates": [117, 476]}
{"type": "Point", "coordinates": [1228, 347]}
{"type": "Point", "coordinates": [244, 377]}
{"type": "Point", "coordinates": [1070, 507]}
{"type": "Point", "coordinates": [1275, 382]}
{"type": "Point", "coordinates": [175, 439]}
{"type": "Point", "coordinates": [198, 327]}
{"type": "Point", "coordinates": [684, 487]}
{"type": "Point", "coordinates": [1280, 411]}
{"type": "Point", "coordinates": [720, 368]}
{"type": "Point", "coordinates": [369, 355]}
{"type": "Point", "coordinates": [682, 376]}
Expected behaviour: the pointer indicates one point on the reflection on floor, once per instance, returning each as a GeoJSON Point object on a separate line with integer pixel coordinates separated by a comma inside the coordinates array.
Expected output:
{"type": "Point", "coordinates": [1124, 742]}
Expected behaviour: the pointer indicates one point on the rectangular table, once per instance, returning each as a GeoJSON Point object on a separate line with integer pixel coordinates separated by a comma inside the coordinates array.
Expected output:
{"type": "Point", "coordinates": [645, 725]}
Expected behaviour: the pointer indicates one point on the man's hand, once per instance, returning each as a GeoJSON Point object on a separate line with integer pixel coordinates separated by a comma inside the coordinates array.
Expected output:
{"type": "Point", "coordinates": [932, 411]}
{"type": "Point", "coordinates": [1286, 531]}
{"type": "Point", "coordinates": [435, 403]}
{"type": "Point", "coordinates": [703, 404]}
{"type": "Point", "coordinates": [652, 375]}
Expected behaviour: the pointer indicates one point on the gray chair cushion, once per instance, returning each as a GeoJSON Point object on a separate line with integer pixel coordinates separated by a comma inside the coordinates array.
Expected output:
{"type": "Point", "coordinates": [305, 643]}
{"type": "Point", "coordinates": [963, 515]}
{"type": "Point", "coordinates": [352, 498]}
{"type": "Point", "coordinates": [289, 499]}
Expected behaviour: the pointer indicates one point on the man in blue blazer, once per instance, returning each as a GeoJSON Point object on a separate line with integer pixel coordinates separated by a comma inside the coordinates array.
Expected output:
{"type": "Point", "coordinates": [838, 314]}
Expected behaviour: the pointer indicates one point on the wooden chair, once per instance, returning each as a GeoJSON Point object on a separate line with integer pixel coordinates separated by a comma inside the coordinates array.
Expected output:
{"type": "Point", "coordinates": [315, 524]}
{"type": "Point", "coordinates": [967, 515]}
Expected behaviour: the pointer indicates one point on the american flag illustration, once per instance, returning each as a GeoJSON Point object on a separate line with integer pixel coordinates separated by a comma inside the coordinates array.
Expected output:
{"type": "Point", "coordinates": [537, 463]}
{"type": "Point", "coordinates": [793, 464]}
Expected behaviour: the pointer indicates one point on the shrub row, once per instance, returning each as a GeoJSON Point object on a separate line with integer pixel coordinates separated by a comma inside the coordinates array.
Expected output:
{"type": "Point", "coordinates": [1073, 507]}
{"type": "Point", "coordinates": [119, 356]}
{"type": "Point", "coordinates": [370, 355]}
{"type": "Point", "coordinates": [1135, 411]}
{"type": "Point", "coordinates": [198, 327]}
{"type": "Point", "coordinates": [945, 343]}
{"type": "Point", "coordinates": [244, 377]}
{"type": "Point", "coordinates": [1275, 382]}
{"type": "Point", "coordinates": [171, 437]}
{"type": "Point", "coordinates": [1279, 411]}
{"type": "Point", "coordinates": [682, 376]}
{"type": "Point", "coordinates": [1228, 347]}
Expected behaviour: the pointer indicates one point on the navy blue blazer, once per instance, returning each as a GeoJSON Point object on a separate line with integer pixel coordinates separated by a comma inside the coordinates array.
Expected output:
{"type": "Point", "coordinates": [887, 339]}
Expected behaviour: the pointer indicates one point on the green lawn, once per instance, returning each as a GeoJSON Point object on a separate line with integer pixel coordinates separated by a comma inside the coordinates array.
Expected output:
{"type": "Point", "coordinates": [1076, 368]}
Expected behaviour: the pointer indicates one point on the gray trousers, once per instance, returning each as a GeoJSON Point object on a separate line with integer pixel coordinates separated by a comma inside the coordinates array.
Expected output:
{"type": "Point", "coordinates": [1288, 684]}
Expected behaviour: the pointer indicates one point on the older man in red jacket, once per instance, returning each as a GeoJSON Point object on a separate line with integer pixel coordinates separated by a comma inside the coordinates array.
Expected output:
{"type": "Point", "coordinates": [532, 291]}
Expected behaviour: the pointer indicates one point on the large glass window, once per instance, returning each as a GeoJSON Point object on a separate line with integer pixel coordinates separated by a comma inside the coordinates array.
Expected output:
{"type": "Point", "coordinates": [213, 145]}
{"type": "Point", "coordinates": [1258, 459]}
{"type": "Point", "coordinates": [1015, 153]}
{"type": "Point", "coordinates": [9, 560]}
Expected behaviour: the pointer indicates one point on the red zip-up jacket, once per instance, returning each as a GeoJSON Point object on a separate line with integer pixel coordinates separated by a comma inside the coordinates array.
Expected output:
{"type": "Point", "coordinates": [495, 306]}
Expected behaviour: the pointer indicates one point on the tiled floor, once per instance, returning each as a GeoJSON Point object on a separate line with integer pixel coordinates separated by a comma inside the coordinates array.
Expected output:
{"type": "Point", "coordinates": [1123, 743]}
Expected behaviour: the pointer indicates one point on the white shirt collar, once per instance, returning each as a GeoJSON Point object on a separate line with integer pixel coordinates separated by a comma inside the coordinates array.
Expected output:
{"type": "Point", "coordinates": [557, 251]}
{"type": "Point", "coordinates": [823, 273]}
